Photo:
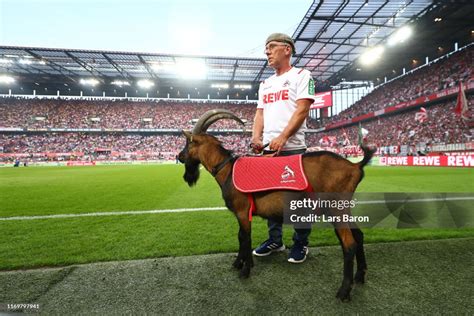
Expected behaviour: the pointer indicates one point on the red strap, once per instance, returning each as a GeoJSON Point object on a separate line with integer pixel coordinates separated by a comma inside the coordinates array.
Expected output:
{"type": "Point", "coordinates": [252, 205]}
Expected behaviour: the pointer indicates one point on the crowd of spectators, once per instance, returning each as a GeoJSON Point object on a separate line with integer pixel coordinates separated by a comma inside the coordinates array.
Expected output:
{"type": "Point", "coordinates": [99, 146]}
{"type": "Point", "coordinates": [443, 74]}
{"type": "Point", "coordinates": [113, 114]}
{"type": "Point", "coordinates": [441, 126]}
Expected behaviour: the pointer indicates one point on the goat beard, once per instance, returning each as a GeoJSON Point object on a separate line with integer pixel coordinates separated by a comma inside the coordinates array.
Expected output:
{"type": "Point", "coordinates": [191, 174]}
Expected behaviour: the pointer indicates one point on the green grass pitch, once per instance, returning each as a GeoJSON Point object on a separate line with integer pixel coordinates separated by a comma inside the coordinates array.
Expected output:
{"type": "Point", "coordinates": [72, 190]}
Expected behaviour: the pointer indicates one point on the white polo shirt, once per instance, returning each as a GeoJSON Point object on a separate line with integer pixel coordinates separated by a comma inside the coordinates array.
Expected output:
{"type": "Point", "coordinates": [277, 97]}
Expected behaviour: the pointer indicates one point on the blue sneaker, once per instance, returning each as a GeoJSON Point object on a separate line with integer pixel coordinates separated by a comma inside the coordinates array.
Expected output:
{"type": "Point", "coordinates": [268, 247]}
{"type": "Point", "coordinates": [298, 253]}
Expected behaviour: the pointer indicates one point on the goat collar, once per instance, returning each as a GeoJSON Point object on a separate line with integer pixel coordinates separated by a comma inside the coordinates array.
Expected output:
{"type": "Point", "coordinates": [216, 169]}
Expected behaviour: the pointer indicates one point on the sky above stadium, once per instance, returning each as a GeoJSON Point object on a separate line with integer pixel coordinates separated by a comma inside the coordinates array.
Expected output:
{"type": "Point", "coordinates": [207, 27]}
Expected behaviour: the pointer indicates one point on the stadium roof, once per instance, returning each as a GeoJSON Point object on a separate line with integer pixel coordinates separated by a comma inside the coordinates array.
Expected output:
{"type": "Point", "coordinates": [112, 65]}
{"type": "Point", "coordinates": [434, 35]}
{"type": "Point", "coordinates": [329, 39]}
{"type": "Point", "coordinates": [333, 34]}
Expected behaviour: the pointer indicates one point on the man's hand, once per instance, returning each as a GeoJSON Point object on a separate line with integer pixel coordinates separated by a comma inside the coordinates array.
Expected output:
{"type": "Point", "coordinates": [278, 143]}
{"type": "Point", "coordinates": [257, 146]}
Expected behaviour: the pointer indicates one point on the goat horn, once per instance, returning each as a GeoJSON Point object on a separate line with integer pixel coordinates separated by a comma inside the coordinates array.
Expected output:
{"type": "Point", "coordinates": [212, 116]}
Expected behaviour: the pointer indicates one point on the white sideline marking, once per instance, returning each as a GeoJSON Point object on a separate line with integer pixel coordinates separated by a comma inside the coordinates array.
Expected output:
{"type": "Point", "coordinates": [178, 210]}
{"type": "Point", "coordinates": [181, 210]}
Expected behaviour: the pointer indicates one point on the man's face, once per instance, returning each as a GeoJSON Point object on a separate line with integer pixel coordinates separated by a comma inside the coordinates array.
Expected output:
{"type": "Point", "coordinates": [276, 53]}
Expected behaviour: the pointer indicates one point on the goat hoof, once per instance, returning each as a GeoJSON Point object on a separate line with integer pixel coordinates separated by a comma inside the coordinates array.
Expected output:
{"type": "Point", "coordinates": [360, 277]}
{"type": "Point", "coordinates": [344, 294]}
{"type": "Point", "coordinates": [238, 264]}
{"type": "Point", "coordinates": [244, 272]}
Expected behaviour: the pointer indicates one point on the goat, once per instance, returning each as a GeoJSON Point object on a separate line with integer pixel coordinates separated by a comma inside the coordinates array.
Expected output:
{"type": "Point", "coordinates": [326, 172]}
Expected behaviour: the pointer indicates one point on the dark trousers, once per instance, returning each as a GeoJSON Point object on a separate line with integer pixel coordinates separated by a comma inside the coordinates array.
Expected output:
{"type": "Point", "coordinates": [275, 229]}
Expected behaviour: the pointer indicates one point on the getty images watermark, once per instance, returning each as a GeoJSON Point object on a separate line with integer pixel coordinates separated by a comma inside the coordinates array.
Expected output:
{"type": "Point", "coordinates": [320, 211]}
{"type": "Point", "coordinates": [380, 210]}
{"type": "Point", "coordinates": [303, 210]}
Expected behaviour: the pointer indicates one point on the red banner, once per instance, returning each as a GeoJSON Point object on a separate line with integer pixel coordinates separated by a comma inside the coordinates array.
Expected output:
{"type": "Point", "coordinates": [461, 103]}
{"type": "Point", "coordinates": [429, 161]}
{"type": "Point", "coordinates": [322, 100]}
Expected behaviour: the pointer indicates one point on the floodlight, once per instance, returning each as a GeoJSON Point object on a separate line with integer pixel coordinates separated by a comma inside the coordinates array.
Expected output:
{"type": "Point", "coordinates": [120, 83]}
{"type": "Point", "coordinates": [372, 55]}
{"type": "Point", "coordinates": [89, 82]}
{"type": "Point", "coordinates": [6, 79]}
{"type": "Point", "coordinates": [243, 86]}
{"type": "Point", "coordinates": [145, 84]}
{"type": "Point", "coordinates": [220, 85]}
{"type": "Point", "coordinates": [400, 36]}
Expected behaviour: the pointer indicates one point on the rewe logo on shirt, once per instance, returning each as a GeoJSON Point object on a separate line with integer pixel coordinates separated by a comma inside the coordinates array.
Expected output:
{"type": "Point", "coordinates": [275, 96]}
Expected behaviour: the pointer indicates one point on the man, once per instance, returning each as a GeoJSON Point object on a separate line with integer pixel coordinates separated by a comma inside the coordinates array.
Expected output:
{"type": "Point", "coordinates": [283, 106]}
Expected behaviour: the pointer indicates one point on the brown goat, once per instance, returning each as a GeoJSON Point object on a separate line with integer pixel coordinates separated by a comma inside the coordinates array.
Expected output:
{"type": "Point", "coordinates": [326, 171]}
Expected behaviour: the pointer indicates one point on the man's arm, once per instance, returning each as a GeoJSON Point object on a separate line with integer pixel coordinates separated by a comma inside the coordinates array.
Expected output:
{"type": "Point", "coordinates": [257, 130]}
{"type": "Point", "coordinates": [294, 124]}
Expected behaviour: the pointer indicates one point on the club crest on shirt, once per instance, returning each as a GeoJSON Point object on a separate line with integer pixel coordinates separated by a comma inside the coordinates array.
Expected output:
{"type": "Point", "coordinates": [286, 83]}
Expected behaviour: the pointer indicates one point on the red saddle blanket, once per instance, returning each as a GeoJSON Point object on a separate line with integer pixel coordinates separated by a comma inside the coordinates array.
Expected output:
{"type": "Point", "coordinates": [254, 174]}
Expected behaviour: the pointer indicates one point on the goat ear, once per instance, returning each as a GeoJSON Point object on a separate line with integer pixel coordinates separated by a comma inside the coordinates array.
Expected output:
{"type": "Point", "coordinates": [187, 134]}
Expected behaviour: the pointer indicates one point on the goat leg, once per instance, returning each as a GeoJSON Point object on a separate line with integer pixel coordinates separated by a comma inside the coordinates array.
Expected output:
{"type": "Point", "coordinates": [247, 255]}
{"type": "Point", "coordinates": [360, 256]}
{"type": "Point", "coordinates": [349, 246]}
{"type": "Point", "coordinates": [239, 261]}
{"type": "Point", "coordinates": [244, 260]}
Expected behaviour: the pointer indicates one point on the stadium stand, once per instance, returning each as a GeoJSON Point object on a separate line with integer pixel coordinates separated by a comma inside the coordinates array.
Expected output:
{"type": "Point", "coordinates": [440, 75]}
{"type": "Point", "coordinates": [86, 146]}
{"type": "Point", "coordinates": [441, 126]}
{"type": "Point", "coordinates": [63, 113]}
{"type": "Point", "coordinates": [124, 130]}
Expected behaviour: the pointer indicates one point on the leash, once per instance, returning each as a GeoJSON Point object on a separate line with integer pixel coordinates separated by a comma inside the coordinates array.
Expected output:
{"type": "Point", "coordinates": [232, 158]}
{"type": "Point", "coordinates": [272, 153]}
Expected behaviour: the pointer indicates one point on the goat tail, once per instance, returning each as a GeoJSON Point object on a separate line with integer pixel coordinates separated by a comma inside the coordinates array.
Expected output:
{"type": "Point", "coordinates": [368, 153]}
